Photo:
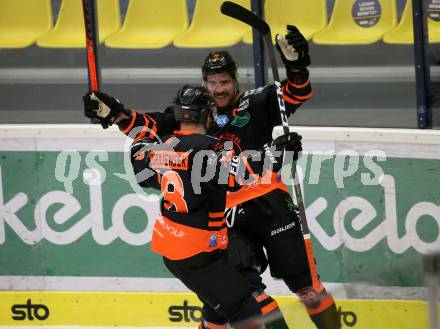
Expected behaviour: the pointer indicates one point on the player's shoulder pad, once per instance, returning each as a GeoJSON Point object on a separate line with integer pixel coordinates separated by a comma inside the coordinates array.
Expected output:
{"type": "Point", "coordinates": [199, 142]}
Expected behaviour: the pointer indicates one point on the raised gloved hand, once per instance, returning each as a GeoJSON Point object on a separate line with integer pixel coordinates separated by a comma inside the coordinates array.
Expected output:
{"type": "Point", "coordinates": [102, 107]}
{"type": "Point", "coordinates": [293, 48]}
{"type": "Point", "coordinates": [275, 150]}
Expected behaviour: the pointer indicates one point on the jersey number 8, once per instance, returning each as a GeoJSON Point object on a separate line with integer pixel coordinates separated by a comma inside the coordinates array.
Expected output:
{"type": "Point", "coordinates": [173, 192]}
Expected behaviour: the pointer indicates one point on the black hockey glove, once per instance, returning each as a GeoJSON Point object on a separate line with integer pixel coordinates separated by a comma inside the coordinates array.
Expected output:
{"type": "Point", "coordinates": [102, 107]}
{"type": "Point", "coordinates": [276, 149]}
{"type": "Point", "coordinates": [140, 147]}
{"type": "Point", "coordinates": [140, 159]}
{"type": "Point", "coordinates": [290, 142]}
{"type": "Point", "coordinates": [293, 48]}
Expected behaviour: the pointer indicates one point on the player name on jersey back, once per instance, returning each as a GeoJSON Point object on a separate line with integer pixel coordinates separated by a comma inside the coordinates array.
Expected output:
{"type": "Point", "coordinates": [169, 160]}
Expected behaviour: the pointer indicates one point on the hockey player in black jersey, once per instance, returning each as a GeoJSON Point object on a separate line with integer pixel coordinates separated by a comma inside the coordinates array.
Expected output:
{"type": "Point", "coordinates": [191, 232]}
{"type": "Point", "coordinates": [247, 118]}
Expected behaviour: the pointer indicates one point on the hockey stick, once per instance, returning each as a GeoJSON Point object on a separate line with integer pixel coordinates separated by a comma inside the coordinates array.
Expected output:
{"type": "Point", "coordinates": [93, 71]}
{"type": "Point", "coordinates": [240, 13]}
{"type": "Point", "coordinates": [94, 76]}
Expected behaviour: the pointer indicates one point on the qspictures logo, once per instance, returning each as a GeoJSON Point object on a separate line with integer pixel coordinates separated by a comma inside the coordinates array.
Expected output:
{"type": "Point", "coordinates": [185, 313]}
{"type": "Point", "coordinates": [29, 311]}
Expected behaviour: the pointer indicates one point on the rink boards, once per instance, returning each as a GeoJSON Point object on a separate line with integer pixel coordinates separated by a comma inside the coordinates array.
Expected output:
{"type": "Point", "coordinates": [73, 229]}
{"type": "Point", "coordinates": [108, 309]}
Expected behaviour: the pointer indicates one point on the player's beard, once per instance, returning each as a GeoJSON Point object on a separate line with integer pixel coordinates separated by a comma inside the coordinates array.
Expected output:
{"type": "Point", "coordinates": [224, 101]}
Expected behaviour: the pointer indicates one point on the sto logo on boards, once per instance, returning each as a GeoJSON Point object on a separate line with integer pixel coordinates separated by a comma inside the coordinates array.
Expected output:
{"type": "Point", "coordinates": [29, 311]}
{"type": "Point", "coordinates": [185, 313]}
{"type": "Point", "coordinates": [347, 318]}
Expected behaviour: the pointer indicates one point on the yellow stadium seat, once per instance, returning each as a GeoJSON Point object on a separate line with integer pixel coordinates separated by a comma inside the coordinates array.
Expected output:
{"type": "Point", "coordinates": [69, 32]}
{"type": "Point", "coordinates": [403, 33]}
{"type": "Point", "coordinates": [358, 22]}
{"type": "Point", "coordinates": [309, 16]}
{"type": "Point", "coordinates": [23, 21]}
{"type": "Point", "coordinates": [210, 28]}
{"type": "Point", "coordinates": [150, 24]}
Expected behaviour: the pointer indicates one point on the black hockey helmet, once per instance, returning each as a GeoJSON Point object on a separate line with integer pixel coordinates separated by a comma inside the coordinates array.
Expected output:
{"type": "Point", "coordinates": [193, 104]}
{"type": "Point", "coordinates": [219, 62]}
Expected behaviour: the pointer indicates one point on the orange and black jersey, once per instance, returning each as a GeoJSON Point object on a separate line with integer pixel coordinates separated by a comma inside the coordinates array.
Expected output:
{"type": "Point", "coordinates": [189, 176]}
{"type": "Point", "coordinates": [248, 124]}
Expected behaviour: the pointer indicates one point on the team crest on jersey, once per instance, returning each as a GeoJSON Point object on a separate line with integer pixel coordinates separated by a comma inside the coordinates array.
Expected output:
{"type": "Point", "coordinates": [222, 120]}
{"type": "Point", "coordinates": [243, 105]}
{"type": "Point", "coordinates": [241, 119]}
